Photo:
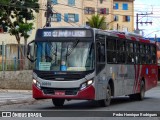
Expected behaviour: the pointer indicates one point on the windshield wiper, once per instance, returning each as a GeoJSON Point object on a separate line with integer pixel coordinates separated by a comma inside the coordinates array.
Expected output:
{"type": "Point", "coordinates": [52, 50]}
{"type": "Point", "coordinates": [69, 51]}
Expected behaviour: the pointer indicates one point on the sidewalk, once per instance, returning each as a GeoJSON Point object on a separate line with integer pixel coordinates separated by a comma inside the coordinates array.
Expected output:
{"type": "Point", "coordinates": [8, 97]}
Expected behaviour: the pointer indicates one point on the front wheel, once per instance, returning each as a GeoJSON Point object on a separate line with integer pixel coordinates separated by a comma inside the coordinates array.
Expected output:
{"type": "Point", "coordinates": [107, 101]}
{"type": "Point", "coordinates": [58, 102]}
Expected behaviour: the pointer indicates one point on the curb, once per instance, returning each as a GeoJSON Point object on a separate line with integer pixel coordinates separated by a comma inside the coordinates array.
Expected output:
{"type": "Point", "coordinates": [17, 91]}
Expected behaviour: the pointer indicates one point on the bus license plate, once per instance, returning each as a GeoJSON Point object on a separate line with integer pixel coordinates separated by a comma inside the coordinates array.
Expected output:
{"type": "Point", "coordinates": [59, 92]}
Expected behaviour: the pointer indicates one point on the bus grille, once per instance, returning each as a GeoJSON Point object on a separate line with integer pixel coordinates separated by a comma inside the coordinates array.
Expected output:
{"type": "Point", "coordinates": [50, 76]}
{"type": "Point", "coordinates": [68, 91]}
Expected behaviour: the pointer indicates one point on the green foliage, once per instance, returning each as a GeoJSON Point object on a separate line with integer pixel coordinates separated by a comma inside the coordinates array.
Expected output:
{"type": "Point", "coordinates": [14, 14]}
{"type": "Point", "coordinates": [96, 21]}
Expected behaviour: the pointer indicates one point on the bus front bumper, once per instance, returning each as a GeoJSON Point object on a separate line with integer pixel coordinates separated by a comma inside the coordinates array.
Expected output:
{"type": "Point", "coordinates": [85, 94]}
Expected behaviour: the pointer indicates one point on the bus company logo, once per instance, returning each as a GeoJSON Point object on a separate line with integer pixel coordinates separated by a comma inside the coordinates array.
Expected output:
{"type": "Point", "coordinates": [6, 114]}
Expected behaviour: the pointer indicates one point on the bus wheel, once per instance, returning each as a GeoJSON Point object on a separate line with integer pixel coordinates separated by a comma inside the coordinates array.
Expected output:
{"type": "Point", "coordinates": [107, 101]}
{"type": "Point", "coordinates": [140, 96]}
{"type": "Point", "coordinates": [58, 102]}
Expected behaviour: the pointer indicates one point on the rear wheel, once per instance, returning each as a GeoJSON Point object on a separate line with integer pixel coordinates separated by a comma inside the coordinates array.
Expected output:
{"type": "Point", "coordinates": [139, 96]}
{"type": "Point", "coordinates": [58, 102]}
{"type": "Point", "coordinates": [107, 101]}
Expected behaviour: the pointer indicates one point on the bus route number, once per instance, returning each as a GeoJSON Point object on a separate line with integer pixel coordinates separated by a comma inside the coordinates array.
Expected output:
{"type": "Point", "coordinates": [47, 34]}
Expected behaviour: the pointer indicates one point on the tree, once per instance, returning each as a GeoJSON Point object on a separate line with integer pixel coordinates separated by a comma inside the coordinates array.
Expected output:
{"type": "Point", "coordinates": [14, 15]}
{"type": "Point", "coordinates": [96, 21]}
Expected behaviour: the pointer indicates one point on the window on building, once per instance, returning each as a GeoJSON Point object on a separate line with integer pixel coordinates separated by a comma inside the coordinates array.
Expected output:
{"type": "Point", "coordinates": [54, 2]}
{"type": "Point", "coordinates": [116, 18]}
{"type": "Point", "coordinates": [69, 17]}
{"type": "Point", "coordinates": [125, 6]}
{"type": "Point", "coordinates": [116, 6]}
{"type": "Point", "coordinates": [89, 10]}
{"type": "Point", "coordinates": [101, 1]}
{"type": "Point", "coordinates": [56, 17]}
{"type": "Point", "coordinates": [103, 10]}
{"type": "Point", "coordinates": [71, 2]}
{"type": "Point", "coordinates": [126, 18]}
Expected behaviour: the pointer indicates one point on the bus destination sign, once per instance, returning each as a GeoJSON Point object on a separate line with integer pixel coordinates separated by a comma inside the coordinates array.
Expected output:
{"type": "Point", "coordinates": [65, 33]}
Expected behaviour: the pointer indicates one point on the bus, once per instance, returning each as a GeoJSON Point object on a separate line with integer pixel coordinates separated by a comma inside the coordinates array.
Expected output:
{"type": "Point", "coordinates": [91, 64]}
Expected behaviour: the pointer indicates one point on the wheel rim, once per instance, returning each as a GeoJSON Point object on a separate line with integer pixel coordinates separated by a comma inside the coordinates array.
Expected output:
{"type": "Point", "coordinates": [142, 91]}
{"type": "Point", "coordinates": [108, 99]}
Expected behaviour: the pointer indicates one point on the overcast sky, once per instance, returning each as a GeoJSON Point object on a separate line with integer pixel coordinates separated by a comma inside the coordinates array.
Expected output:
{"type": "Point", "coordinates": [148, 6]}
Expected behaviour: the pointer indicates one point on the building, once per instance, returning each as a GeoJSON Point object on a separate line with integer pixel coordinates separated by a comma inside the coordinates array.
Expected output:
{"type": "Point", "coordinates": [123, 15]}
{"type": "Point", "coordinates": [119, 16]}
{"type": "Point", "coordinates": [119, 13]}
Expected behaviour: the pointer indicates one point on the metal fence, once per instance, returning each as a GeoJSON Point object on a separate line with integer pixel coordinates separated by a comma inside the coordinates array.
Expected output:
{"type": "Point", "coordinates": [9, 58]}
{"type": "Point", "coordinates": [15, 64]}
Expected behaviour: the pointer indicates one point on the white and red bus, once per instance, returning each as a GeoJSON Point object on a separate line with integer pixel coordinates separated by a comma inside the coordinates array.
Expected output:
{"type": "Point", "coordinates": [91, 64]}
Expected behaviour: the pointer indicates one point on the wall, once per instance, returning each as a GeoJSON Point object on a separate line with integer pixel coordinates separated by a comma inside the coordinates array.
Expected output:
{"type": "Point", "coordinates": [121, 13]}
{"type": "Point", "coordinates": [16, 80]}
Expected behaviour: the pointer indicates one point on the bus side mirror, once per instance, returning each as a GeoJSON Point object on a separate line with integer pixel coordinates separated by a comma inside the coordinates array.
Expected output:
{"type": "Point", "coordinates": [31, 48]}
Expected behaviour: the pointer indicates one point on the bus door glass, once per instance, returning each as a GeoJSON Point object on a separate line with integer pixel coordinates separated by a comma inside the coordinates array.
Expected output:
{"type": "Point", "coordinates": [31, 51]}
{"type": "Point", "coordinates": [100, 53]}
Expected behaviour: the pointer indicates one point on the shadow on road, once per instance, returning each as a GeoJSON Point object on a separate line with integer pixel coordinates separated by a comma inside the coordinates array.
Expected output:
{"type": "Point", "coordinates": [90, 105]}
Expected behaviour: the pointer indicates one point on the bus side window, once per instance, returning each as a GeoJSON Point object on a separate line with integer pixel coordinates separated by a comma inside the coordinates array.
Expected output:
{"type": "Point", "coordinates": [101, 52]}
{"type": "Point", "coordinates": [143, 53]}
{"type": "Point", "coordinates": [121, 51]}
{"type": "Point", "coordinates": [111, 51]}
{"type": "Point", "coordinates": [153, 54]}
{"type": "Point", "coordinates": [130, 53]}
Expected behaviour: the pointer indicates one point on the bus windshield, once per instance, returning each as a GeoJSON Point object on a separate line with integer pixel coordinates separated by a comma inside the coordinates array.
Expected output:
{"type": "Point", "coordinates": [64, 56]}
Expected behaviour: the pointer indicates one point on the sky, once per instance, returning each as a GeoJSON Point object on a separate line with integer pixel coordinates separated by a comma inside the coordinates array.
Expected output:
{"type": "Point", "coordinates": [148, 6]}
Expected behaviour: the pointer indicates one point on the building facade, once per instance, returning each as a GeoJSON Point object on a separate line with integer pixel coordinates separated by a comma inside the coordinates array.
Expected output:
{"type": "Point", "coordinates": [119, 13]}
{"type": "Point", "coordinates": [123, 13]}
{"type": "Point", "coordinates": [119, 16]}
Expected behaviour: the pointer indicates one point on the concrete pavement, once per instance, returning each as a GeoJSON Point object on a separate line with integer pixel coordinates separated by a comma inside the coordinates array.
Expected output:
{"type": "Point", "coordinates": [8, 97]}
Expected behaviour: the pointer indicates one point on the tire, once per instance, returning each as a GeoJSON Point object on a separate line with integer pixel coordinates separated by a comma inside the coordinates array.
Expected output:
{"type": "Point", "coordinates": [58, 102]}
{"type": "Point", "coordinates": [106, 102]}
{"type": "Point", "coordinates": [139, 96]}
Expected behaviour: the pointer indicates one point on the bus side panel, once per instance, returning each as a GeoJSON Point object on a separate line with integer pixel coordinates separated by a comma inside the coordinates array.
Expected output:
{"type": "Point", "coordinates": [148, 73]}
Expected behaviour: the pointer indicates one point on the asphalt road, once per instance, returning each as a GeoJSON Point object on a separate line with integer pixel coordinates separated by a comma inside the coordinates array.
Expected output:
{"type": "Point", "coordinates": [89, 110]}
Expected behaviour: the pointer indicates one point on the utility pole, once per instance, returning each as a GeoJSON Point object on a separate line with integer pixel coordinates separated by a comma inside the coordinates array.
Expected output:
{"type": "Point", "coordinates": [137, 20]}
{"type": "Point", "coordinates": [48, 13]}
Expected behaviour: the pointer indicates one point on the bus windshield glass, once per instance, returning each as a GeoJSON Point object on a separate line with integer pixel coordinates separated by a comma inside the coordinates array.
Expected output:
{"type": "Point", "coordinates": [64, 56]}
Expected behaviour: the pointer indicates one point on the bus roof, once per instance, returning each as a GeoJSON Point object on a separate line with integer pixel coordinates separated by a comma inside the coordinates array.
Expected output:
{"type": "Point", "coordinates": [114, 33]}
{"type": "Point", "coordinates": [125, 35]}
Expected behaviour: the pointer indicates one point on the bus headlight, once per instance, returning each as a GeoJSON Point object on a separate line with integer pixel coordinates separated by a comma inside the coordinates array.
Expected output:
{"type": "Point", "coordinates": [37, 83]}
{"type": "Point", "coordinates": [86, 84]}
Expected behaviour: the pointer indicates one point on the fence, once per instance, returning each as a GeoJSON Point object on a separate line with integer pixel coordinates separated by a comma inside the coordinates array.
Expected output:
{"type": "Point", "coordinates": [15, 64]}
{"type": "Point", "coordinates": [10, 58]}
